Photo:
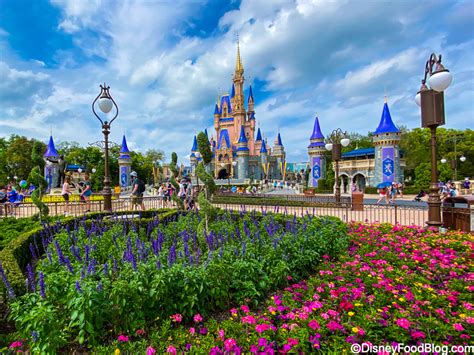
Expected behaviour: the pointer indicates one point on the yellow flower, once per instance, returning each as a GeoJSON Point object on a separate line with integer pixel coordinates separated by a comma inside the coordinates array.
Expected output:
{"type": "Point", "coordinates": [350, 314]}
{"type": "Point", "coordinates": [462, 316]}
{"type": "Point", "coordinates": [379, 310]}
{"type": "Point", "coordinates": [117, 352]}
{"type": "Point", "coordinates": [357, 304]}
{"type": "Point", "coordinates": [401, 299]}
{"type": "Point", "coordinates": [355, 330]}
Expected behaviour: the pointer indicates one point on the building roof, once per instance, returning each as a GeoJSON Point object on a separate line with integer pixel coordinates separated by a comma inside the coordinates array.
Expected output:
{"type": "Point", "coordinates": [223, 138]}
{"type": "Point", "coordinates": [232, 92]}
{"type": "Point", "coordinates": [252, 115]}
{"type": "Point", "coordinates": [195, 145]}
{"type": "Point", "coordinates": [51, 149]}
{"type": "Point", "coordinates": [359, 153]}
{"type": "Point", "coordinates": [317, 134]}
{"type": "Point", "coordinates": [225, 99]}
{"type": "Point", "coordinates": [263, 149]}
{"type": "Point", "coordinates": [124, 148]}
{"type": "Point", "coordinates": [316, 144]}
{"type": "Point", "coordinates": [278, 140]}
{"type": "Point", "coordinates": [386, 124]}
{"type": "Point", "coordinates": [242, 138]}
{"type": "Point", "coordinates": [250, 94]}
{"type": "Point", "coordinates": [216, 110]}
{"type": "Point", "coordinates": [259, 135]}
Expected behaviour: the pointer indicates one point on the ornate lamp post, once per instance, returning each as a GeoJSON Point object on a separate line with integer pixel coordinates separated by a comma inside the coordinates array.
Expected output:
{"type": "Point", "coordinates": [431, 102]}
{"type": "Point", "coordinates": [198, 156]}
{"type": "Point", "coordinates": [106, 103]}
{"type": "Point", "coordinates": [336, 140]}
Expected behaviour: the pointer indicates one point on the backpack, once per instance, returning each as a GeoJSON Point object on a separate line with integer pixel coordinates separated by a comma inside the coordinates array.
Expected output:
{"type": "Point", "coordinates": [141, 186]}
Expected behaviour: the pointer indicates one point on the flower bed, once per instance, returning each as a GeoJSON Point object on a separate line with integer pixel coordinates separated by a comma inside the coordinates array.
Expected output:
{"type": "Point", "coordinates": [97, 280]}
{"type": "Point", "coordinates": [397, 285]}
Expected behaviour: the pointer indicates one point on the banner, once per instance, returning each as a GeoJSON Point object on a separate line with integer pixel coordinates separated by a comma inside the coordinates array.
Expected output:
{"type": "Point", "coordinates": [315, 171]}
{"type": "Point", "coordinates": [388, 164]}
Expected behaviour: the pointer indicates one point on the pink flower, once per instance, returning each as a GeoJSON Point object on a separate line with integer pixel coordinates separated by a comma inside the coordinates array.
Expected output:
{"type": "Point", "coordinates": [260, 328]}
{"type": "Point", "coordinates": [139, 332]}
{"type": "Point", "coordinates": [177, 318]}
{"type": "Point", "coordinates": [229, 344]}
{"type": "Point", "coordinates": [192, 331]}
{"type": "Point", "coordinates": [150, 351]}
{"type": "Point", "coordinates": [233, 311]}
{"type": "Point", "coordinates": [16, 344]}
{"type": "Point", "coordinates": [470, 320]}
{"type": "Point", "coordinates": [221, 334]}
{"type": "Point", "coordinates": [197, 318]}
{"type": "Point", "coordinates": [293, 341]}
{"type": "Point", "coordinates": [313, 324]}
{"type": "Point", "coordinates": [458, 327]}
{"type": "Point", "coordinates": [245, 309]}
{"type": "Point", "coordinates": [249, 320]}
{"type": "Point", "coordinates": [403, 322]}
{"type": "Point", "coordinates": [289, 278]}
{"type": "Point", "coordinates": [171, 350]}
{"type": "Point", "coordinates": [333, 326]}
{"type": "Point", "coordinates": [122, 338]}
{"type": "Point", "coordinates": [417, 334]}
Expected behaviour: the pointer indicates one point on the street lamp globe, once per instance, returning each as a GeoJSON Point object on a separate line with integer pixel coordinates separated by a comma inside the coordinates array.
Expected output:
{"type": "Point", "coordinates": [105, 104]}
{"type": "Point", "coordinates": [345, 142]}
{"type": "Point", "coordinates": [440, 80]}
{"type": "Point", "coordinates": [93, 171]}
{"type": "Point", "coordinates": [15, 177]}
{"type": "Point", "coordinates": [328, 146]}
{"type": "Point", "coordinates": [463, 158]}
{"type": "Point", "coordinates": [443, 161]}
{"type": "Point", "coordinates": [418, 99]}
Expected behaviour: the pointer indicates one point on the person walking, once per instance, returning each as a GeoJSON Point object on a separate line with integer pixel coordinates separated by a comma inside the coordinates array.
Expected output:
{"type": "Point", "coordinates": [66, 191]}
{"type": "Point", "coordinates": [382, 195]}
{"type": "Point", "coordinates": [137, 192]}
{"type": "Point", "coordinates": [87, 192]}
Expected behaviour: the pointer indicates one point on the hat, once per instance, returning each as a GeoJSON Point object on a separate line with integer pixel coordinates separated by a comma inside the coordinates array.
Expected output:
{"type": "Point", "coordinates": [134, 174]}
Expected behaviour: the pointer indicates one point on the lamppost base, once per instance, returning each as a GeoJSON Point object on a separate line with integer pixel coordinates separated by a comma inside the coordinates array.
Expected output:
{"type": "Point", "coordinates": [107, 193]}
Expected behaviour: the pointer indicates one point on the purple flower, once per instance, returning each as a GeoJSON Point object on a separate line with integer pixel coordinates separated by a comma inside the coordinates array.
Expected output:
{"type": "Point", "coordinates": [41, 285]}
{"type": "Point", "coordinates": [68, 265]}
{"type": "Point", "coordinates": [203, 331]}
{"type": "Point", "coordinates": [78, 287]}
{"type": "Point", "coordinates": [35, 336]}
{"type": "Point", "coordinates": [11, 293]}
{"type": "Point", "coordinates": [99, 286]}
{"type": "Point", "coordinates": [59, 252]}
{"type": "Point", "coordinates": [31, 277]}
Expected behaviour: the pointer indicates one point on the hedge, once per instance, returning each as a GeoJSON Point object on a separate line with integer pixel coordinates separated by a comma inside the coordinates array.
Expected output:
{"type": "Point", "coordinates": [16, 255]}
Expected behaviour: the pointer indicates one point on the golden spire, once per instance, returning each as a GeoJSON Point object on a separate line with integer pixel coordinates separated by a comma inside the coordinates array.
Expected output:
{"type": "Point", "coordinates": [238, 63]}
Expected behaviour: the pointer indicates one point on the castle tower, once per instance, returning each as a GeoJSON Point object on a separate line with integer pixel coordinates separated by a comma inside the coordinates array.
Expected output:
{"type": "Point", "coordinates": [279, 154]}
{"type": "Point", "coordinates": [192, 157]}
{"type": "Point", "coordinates": [242, 155]}
{"type": "Point", "coordinates": [125, 164]}
{"type": "Point", "coordinates": [387, 152]}
{"type": "Point", "coordinates": [264, 166]}
{"type": "Point", "coordinates": [317, 157]}
{"type": "Point", "coordinates": [51, 169]}
{"type": "Point", "coordinates": [258, 142]}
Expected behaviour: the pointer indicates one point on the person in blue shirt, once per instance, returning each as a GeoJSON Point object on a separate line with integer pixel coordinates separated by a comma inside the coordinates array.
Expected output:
{"type": "Point", "coordinates": [12, 196]}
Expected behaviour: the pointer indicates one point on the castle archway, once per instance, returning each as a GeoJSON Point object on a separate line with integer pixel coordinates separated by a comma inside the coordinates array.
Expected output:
{"type": "Point", "coordinates": [344, 181]}
{"type": "Point", "coordinates": [222, 174]}
{"type": "Point", "coordinates": [359, 181]}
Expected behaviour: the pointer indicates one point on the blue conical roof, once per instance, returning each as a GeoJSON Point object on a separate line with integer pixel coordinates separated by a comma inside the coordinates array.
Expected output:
{"type": "Point", "coordinates": [195, 145]}
{"type": "Point", "coordinates": [279, 139]}
{"type": "Point", "coordinates": [386, 124]}
{"type": "Point", "coordinates": [242, 138]}
{"type": "Point", "coordinates": [317, 134]}
{"type": "Point", "coordinates": [264, 147]}
{"type": "Point", "coordinates": [51, 149]}
{"type": "Point", "coordinates": [250, 94]}
{"type": "Point", "coordinates": [216, 110]}
{"type": "Point", "coordinates": [259, 135]}
{"type": "Point", "coordinates": [124, 148]}
{"type": "Point", "coordinates": [232, 93]}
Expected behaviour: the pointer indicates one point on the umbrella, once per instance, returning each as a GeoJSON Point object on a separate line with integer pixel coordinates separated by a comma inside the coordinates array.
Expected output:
{"type": "Point", "coordinates": [384, 184]}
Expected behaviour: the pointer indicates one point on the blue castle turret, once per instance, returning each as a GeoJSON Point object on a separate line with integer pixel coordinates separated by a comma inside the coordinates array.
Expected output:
{"type": "Point", "coordinates": [242, 155]}
{"type": "Point", "coordinates": [386, 140]}
{"type": "Point", "coordinates": [279, 153]}
{"type": "Point", "coordinates": [317, 157]}
{"type": "Point", "coordinates": [125, 164]}
{"type": "Point", "coordinates": [51, 169]}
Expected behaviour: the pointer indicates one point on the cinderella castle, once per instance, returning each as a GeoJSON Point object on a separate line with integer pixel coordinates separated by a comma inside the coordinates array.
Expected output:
{"type": "Point", "coordinates": [236, 151]}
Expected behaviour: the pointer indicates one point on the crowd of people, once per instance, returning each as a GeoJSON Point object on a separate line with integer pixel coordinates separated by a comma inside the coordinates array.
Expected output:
{"type": "Point", "coordinates": [12, 195]}
{"type": "Point", "coordinates": [389, 193]}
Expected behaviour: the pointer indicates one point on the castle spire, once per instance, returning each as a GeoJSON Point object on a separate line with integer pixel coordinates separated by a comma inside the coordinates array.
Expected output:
{"type": "Point", "coordinates": [242, 138]}
{"type": "Point", "coordinates": [263, 149]}
{"type": "Point", "coordinates": [51, 149]}
{"type": "Point", "coordinates": [250, 99]}
{"type": "Point", "coordinates": [386, 124]}
{"type": "Point", "coordinates": [317, 134]}
{"type": "Point", "coordinates": [259, 135]}
{"type": "Point", "coordinates": [124, 148]}
{"type": "Point", "coordinates": [239, 68]}
{"type": "Point", "coordinates": [195, 144]}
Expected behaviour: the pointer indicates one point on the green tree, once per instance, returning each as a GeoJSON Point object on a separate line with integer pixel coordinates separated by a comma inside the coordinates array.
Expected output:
{"type": "Point", "coordinates": [204, 148]}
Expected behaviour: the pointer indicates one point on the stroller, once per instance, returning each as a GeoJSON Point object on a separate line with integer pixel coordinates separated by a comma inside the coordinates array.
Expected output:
{"type": "Point", "coordinates": [419, 196]}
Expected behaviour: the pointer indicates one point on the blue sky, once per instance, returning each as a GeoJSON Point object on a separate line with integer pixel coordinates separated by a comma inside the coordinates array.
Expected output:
{"type": "Point", "coordinates": [166, 62]}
